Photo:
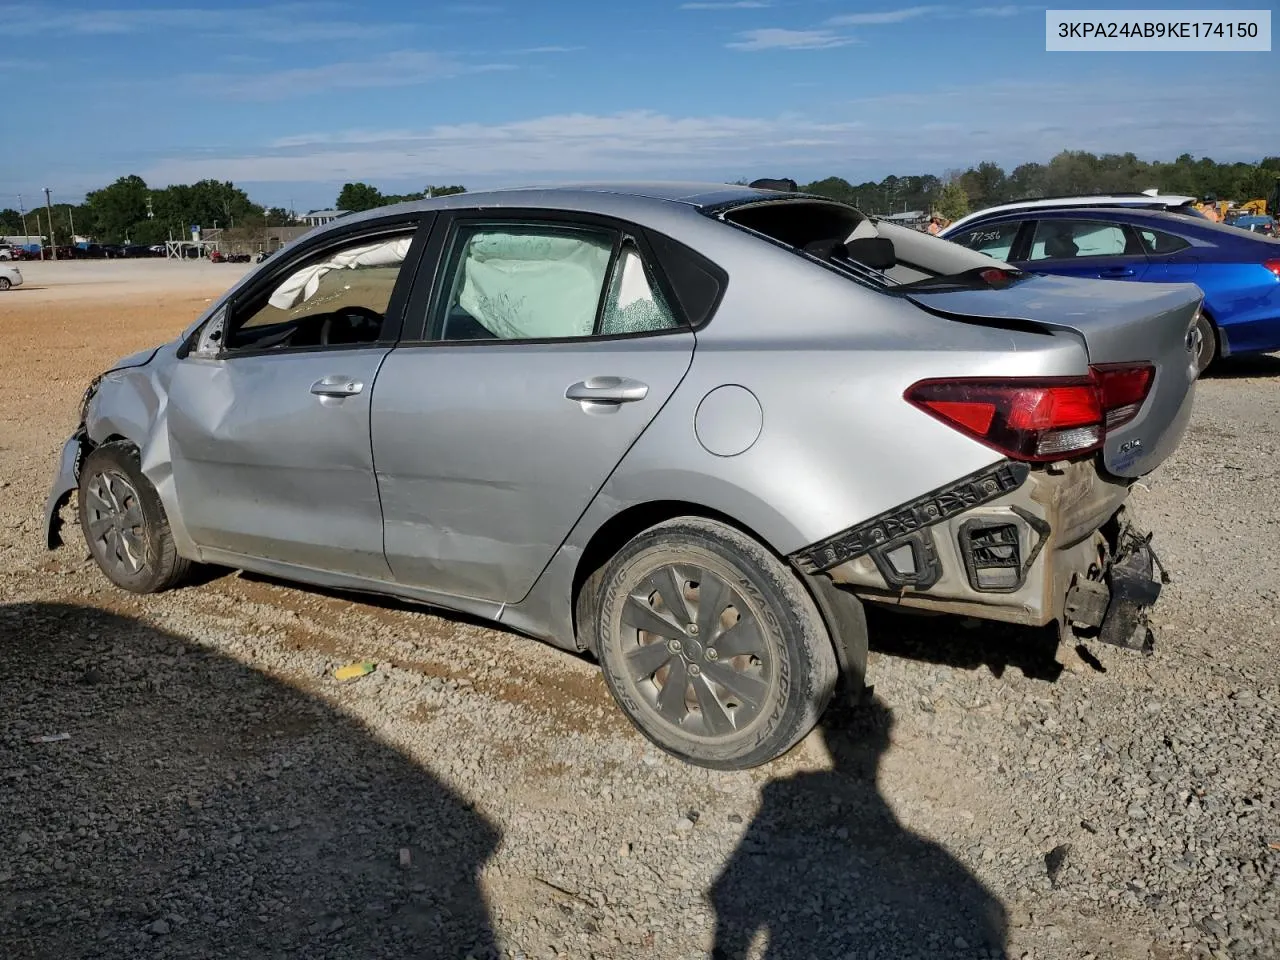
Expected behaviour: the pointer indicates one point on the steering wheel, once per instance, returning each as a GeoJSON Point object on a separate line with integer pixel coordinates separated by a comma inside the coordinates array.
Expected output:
{"type": "Point", "coordinates": [351, 325]}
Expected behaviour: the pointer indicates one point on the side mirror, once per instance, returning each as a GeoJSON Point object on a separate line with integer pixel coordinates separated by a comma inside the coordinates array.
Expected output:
{"type": "Point", "coordinates": [208, 339]}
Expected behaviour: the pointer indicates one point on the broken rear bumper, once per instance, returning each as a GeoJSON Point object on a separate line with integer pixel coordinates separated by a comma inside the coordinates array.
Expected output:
{"type": "Point", "coordinates": [1012, 543]}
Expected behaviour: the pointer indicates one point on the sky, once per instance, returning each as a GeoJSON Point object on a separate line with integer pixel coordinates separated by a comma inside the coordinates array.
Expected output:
{"type": "Point", "coordinates": [290, 100]}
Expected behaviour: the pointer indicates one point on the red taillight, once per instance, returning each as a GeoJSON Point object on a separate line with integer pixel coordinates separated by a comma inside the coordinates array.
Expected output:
{"type": "Point", "coordinates": [1273, 266]}
{"type": "Point", "coordinates": [1124, 387]}
{"type": "Point", "coordinates": [1039, 419]}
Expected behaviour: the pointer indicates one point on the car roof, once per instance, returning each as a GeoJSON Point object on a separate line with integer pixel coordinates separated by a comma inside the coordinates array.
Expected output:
{"type": "Point", "coordinates": [650, 203]}
{"type": "Point", "coordinates": [577, 196]}
{"type": "Point", "coordinates": [1125, 200]}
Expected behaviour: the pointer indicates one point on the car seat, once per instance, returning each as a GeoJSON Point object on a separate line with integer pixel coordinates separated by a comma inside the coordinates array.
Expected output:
{"type": "Point", "coordinates": [1060, 245]}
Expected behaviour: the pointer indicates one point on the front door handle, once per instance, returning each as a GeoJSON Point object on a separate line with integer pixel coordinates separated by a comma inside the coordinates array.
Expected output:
{"type": "Point", "coordinates": [607, 390]}
{"type": "Point", "coordinates": [336, 386]}
{"type": "Point", "coordinates": [1118, 272]}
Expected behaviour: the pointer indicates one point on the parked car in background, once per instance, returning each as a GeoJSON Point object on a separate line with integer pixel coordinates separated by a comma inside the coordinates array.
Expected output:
{"type": "Point", "coordinates": [1254, 223]}
{"type": "Point", "coordinates": [1239, 272]}
{"type": "Point", "coordinates": [1150, 200]}
{"type": "Point", "coordinates": [870, 414]}
{"type": "Point", "coordinates": [10, 276]}
{"type": "Point", "coordinates": [8, 253]}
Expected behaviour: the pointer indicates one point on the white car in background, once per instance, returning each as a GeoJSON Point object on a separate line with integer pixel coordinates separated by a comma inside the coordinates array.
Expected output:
{"type": "Point", "coordinates": [9, 276]}
{"type": "Point", "coordinates": [1148, 199]}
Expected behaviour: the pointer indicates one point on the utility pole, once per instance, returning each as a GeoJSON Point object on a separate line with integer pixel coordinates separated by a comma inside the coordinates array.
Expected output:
{"type": "Point", "coordinates": [72, 220]}
{"type": "Point", "coordinates": [39, 235]}
{"type": "Point", "coordinates": [48, 203]}
{"type": "Point", "coordinates": [23, 212]}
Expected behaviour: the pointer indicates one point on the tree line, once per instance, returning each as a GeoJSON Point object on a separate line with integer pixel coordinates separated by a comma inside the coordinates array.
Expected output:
{"type": "Point", "coordinates": [1070, 172]}
{"type": "Point", "coordinates": [355, 197]}
{"type": "Point", "coordinates": [129, 210]}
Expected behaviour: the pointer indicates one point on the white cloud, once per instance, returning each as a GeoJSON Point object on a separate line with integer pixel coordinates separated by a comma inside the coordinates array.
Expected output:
{"type": "Point", "coordinates": [553, 48]}
{"type": "Point", "coordinates": [540, 147]}
{"type": "Point", "coordinates": [775, 38]}
{"type": "Point", "coordinates": [884, 16]}
{"type": "Point", "coordinates": [726, 5]}
{"type": "Point", "coordinates": [927, 131]}
{"type": "Point", "coordinates": [1008, 10]}
{"type": "Point", "coordinates": [399, 68]}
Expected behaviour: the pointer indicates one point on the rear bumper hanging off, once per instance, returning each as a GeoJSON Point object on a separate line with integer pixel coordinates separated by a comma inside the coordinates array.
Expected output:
{"type": "Point", "coordinates": [1117, 606]}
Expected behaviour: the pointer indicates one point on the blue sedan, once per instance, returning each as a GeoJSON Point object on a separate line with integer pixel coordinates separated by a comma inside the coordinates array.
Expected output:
{"type": "Point", "coordinates": [1239, 272]}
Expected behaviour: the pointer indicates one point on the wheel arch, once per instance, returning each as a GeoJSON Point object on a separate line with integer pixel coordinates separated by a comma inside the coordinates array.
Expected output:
{"type": "Point", "coordinates": [841, 612]}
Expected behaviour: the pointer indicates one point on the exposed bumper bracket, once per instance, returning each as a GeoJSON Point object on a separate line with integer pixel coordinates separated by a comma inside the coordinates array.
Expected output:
{"type": "Point", "coordinates": [1133, 589]}
{"type": "Point", "coordinates": [897, 524]}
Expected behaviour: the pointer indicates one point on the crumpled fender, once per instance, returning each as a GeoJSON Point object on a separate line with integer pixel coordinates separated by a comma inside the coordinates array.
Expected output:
{"type": "Point", "coordinates": [66, 480]}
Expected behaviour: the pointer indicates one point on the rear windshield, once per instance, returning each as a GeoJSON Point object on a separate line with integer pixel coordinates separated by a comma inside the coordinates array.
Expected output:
{"type": "Point", "coordinates": [886, 256]}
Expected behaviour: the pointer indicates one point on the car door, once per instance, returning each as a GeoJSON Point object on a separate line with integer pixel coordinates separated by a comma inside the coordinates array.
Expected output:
{"type": "Point", "coordinates": [548, 346]}
{"type": "Point", "coordinates": [1085, 248]}
{"type": "Point", "coordinates": [268, 416]}
{"type": "Point", "coordinates": [1171, 259]}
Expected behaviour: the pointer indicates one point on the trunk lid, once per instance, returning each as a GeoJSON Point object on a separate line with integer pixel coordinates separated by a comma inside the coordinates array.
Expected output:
{"type": "Point", "coordinates": [1118, 322]}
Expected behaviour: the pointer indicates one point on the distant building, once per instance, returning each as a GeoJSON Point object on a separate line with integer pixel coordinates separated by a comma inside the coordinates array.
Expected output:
{"type": "Point", "coordinates": [907, 216]}
{"type": "Point", "coordinates": [318, 218]}
{"type": "Point", "coordinates": [30, 244]}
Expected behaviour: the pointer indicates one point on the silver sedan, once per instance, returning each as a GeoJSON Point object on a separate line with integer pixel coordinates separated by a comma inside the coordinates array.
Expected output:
{"type": "Point", "coordinates": [690, 429]}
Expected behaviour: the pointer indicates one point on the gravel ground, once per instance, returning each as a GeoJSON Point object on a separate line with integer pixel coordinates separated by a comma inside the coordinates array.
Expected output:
{"type": "Point", "coordinates": [221, 794]}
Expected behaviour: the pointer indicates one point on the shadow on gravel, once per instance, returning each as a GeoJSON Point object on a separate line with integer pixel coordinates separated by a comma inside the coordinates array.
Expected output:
{"type": "Point", "coordinates": [947, 640]}
{"type": "Point", "coordinates": [203, 809]}
{"type": "Point", "coordinates": [1239, 368]}
{"type": "Point", "coordinates": [827, 871]}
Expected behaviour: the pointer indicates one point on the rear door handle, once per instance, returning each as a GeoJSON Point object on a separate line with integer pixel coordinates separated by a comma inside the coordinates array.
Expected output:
{"type": "Point", "coordinates": [336, 386]}
{"type": "Point", "coordinates": [1118, 272]}
{"type": "Point", "coordinates": [607, 390]}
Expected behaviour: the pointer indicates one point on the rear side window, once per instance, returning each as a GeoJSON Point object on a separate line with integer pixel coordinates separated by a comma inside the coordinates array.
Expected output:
{"type": "Point", "coordinates": [548, 281]}
{"type": "Point", "coordinates": [1069, 239]}
{"type": "Point", "coordinates": [995, 240]}
{"type": "Point", "coordinates": [1157, 241]}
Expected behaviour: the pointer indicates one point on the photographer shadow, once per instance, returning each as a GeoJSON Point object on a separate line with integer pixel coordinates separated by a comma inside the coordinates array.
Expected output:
{"type": "Point", "coordinates": [827, 870]}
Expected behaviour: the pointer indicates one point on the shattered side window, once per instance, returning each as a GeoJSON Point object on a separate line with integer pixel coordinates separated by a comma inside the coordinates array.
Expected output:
{"type": "Point", "coordinates": [635, 304]}
{"type": "Point", "coordinates": [517, 282]}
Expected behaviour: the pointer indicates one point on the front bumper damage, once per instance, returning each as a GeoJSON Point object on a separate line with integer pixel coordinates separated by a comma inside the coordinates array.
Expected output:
{"type": "Point", "coordinates": [1012, 543]}
{"type": "Point", "coordinates": [64, 482]}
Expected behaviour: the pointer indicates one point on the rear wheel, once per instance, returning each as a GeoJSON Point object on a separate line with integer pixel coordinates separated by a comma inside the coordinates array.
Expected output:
{"type": "Point", "coordinates": [1207, 336]}
{"type": "Point", "coordinates": [124, 522]}
{"type": "Point", "coordinates": [711, 645]}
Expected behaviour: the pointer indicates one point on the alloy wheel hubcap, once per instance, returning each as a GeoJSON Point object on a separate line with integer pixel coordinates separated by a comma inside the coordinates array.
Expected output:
{"type": "Point", "coordinates": [695, 651]}
{"type": "Point", "coordinates": [116, 524]}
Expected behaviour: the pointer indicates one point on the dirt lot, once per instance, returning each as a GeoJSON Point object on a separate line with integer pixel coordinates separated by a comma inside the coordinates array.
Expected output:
{"type": "Point", "coordinates": [220, 794]}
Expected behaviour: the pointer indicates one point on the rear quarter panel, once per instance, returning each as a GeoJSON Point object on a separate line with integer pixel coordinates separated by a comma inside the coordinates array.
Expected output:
{"type": "Point", "coordinates": [828, 362]}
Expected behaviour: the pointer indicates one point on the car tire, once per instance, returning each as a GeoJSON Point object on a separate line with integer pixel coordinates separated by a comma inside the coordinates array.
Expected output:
{"type": "Point", "coordinates": [4, 283]}
{"type": "Point", "coordinates": [1208, 342]}
{"type": "Point", "coordinates": [124, 523]}
{"type": "Point", "coordinates": [756, 688]}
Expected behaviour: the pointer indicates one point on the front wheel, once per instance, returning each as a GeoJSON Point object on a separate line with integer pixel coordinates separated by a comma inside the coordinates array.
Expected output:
{"type": "Point", "coordinates": [4, 283]}
{"type": "Point", "coordinates": [124, 522]}
{"type": "Point", "coordinates": [711, 645]}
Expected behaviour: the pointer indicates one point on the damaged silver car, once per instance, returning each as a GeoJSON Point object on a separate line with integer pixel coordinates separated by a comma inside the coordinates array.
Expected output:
{"type": "Point", "coordinates": [688, 429]}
